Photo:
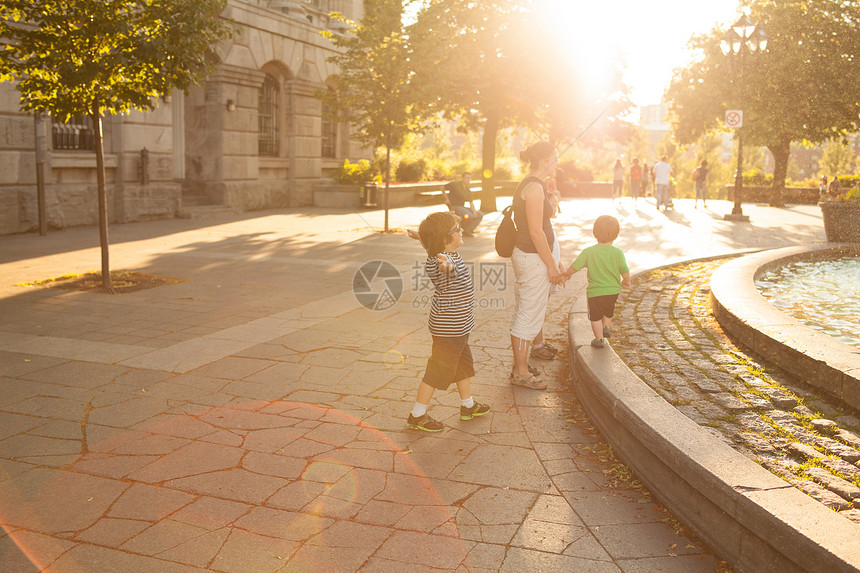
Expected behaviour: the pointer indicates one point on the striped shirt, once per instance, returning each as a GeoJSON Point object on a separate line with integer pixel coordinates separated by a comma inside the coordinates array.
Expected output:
{"type": "Point", "coordinates": [451, 307]}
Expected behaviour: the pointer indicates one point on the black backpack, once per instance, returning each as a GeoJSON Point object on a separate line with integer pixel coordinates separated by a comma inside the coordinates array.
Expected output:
{"type": "Point", "coordinates": [506, 235]}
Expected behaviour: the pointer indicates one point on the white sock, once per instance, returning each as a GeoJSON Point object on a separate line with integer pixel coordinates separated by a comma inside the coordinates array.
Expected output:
{"type": "Point", "coordinates": [419, 409]}
{"type": "Point", "coordinates": [468, 402]}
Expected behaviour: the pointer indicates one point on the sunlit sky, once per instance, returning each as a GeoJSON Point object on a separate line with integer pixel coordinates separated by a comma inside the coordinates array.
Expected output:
{"type": "Point", "coordinates": [651, 35]}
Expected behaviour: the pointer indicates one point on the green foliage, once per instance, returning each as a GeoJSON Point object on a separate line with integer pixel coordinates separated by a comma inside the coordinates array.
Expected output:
{"type": "Point", "coordinates": [757, 178]}
{"type": "Point", "coordinates": [849, 181]}
{"type": "Point", "coordinates": [837, 157]}
{"type": "Point", "coordinates": [86, 57]}
{"type": "Point", "coordinates": [411, 171]}
{"type": "Point", "coordinates": [575, 172]}
{"type": "Point", "coordinates": [92, 57]}
{"type": "Point", "coordinates": [357, 173]}
{"type": "Point", "coordinates": [374, 84]}
{"type": "Point", "coordinates": [803, 87]}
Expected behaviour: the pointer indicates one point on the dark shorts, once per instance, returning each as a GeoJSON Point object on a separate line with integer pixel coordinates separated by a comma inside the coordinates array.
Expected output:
{"type": "Point", "coordinates": [600, 306]}
{"type": "Point", "coordinates": [450, 361]}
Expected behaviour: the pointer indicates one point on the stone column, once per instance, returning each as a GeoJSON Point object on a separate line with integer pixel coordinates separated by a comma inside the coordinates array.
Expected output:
{"type": "Point", "coordinates": [221, 135]}
{"type": "Point", "coordinates": [304, 120]}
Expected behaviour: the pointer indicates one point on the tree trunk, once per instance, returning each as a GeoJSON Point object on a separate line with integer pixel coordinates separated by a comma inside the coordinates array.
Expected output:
{"type": "Point", "coordinates": [488, 163]}
{"type": "Point", "coordinates": [96, 118]}
{"type": "Point", "coordinates": [780, 169]}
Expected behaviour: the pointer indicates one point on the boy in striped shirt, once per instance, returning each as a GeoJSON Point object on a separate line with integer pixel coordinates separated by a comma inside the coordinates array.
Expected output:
{"type": "Point", "coordinates": [451, 321]}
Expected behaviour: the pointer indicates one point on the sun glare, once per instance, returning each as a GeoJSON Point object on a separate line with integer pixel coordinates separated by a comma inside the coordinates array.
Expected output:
{"type": "Point", "coordinates": [650, 38]}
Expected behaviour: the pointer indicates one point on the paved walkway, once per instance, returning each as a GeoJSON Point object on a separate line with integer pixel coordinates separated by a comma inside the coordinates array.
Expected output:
{"type": "Point", "coordinates": [251, 418]}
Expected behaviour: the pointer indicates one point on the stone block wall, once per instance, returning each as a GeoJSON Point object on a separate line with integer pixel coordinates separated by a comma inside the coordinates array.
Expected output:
{"type": "Point", "coordinates": [197, 145]}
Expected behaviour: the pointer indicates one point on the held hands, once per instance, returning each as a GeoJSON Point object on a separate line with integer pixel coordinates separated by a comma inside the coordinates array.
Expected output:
{"type": "Point", "coordinates": [557, 276]}
{"type": "Point", "coordinates": [568, 272]}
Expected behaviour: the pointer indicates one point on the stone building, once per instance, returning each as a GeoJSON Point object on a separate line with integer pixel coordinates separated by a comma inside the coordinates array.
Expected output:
{"type": "Point", "coordinates": [252, 137]}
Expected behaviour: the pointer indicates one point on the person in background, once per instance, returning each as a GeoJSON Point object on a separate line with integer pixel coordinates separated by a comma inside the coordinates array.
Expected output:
{"type": "Point", "coordinates": [662, 180]}
{"type": "Point", "coordinates": [646, 178]}
{"type": "Point", "coordinates": [635, 179]}
{"type": "Point", "coordinates": [617, 180]}
{"type": "Point", "coordinates": [700, 180]}
{"type": "Point", "coordinates": [834, 189]}
{"type": "Point", "coordinates": [457, 194]}
{"type": "Point", "coordinates": [822, 188]}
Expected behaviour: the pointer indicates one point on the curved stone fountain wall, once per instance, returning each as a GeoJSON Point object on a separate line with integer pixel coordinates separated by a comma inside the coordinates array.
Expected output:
{"type": "Point", "coordinates": [747, 515]}
{"type": "Point", "coordinates": [742, 311]}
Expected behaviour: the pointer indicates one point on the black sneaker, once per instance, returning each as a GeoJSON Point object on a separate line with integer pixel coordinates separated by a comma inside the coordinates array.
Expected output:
{"type": "Point", "coordinates": [476, 410]}
{"type": "Point", "coordinates": [424, 423]}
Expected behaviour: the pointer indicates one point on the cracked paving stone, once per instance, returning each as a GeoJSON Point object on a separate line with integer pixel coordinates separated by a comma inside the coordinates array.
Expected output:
{"type": "Point", "coordinates": [823, 495]}
{"type": "Point", "coordinates": [758, 444]}
{"type": "Point", "coordinates": [730, 403]}
{"type": "Point", "coordinates": [756, 402]}
{"type": "Point", "coordinates": [706, 385]}
{"type": "Point", "coordinates": [779, 398]}
{"type": "Point", "coordinates": [837, 485]}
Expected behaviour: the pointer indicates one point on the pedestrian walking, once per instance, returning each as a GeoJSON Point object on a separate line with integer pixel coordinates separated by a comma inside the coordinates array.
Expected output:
{"type": "Point", "coordinates": [662, 178]}
{"type": "Point", "coordinates": [700, 180]}
{"type": "Point", "coordinates": [646, 178]}
{"type": "Point", "coordinates": [635, 179]}
{"type": "Point", "coordinates": [451, 321]}
{"type": "Point", "coordinates": [607, 274]}
{"type": "Point", "coordinates": [617, 180]}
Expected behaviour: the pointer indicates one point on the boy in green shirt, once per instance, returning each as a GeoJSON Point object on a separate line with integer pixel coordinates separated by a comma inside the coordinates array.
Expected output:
{"type": "Point", "coordinates": [607, 273]}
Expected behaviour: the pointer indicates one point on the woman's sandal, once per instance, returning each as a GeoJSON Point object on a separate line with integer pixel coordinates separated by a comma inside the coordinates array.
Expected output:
{"type": "Point", "coordinates": [530, 381]}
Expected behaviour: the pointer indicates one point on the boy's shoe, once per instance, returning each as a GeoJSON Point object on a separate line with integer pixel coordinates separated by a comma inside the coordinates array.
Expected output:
{"type": "Point", "coordinates": [476, 410]}
{"type": "Point", "coordinates": [424, 423]}
{"type": "Point", "coordinates": [544, 352]}
{"type": "Point", "coordinates": [598, 343]}
{"type": "Point", "coordinates": [607, 332]}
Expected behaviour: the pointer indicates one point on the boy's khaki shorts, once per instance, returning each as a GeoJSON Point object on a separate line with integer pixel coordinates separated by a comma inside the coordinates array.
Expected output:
{"type": "Point", "coordinates": [450, 361]}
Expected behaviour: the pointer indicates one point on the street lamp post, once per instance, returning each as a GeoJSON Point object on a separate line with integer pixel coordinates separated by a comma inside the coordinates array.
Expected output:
{"type": "Point", "coordinates": [743, 38]}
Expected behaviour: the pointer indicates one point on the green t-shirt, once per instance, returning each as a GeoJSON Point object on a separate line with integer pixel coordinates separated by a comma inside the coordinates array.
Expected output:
{"type": "Point", "coordinates": [605, 265]}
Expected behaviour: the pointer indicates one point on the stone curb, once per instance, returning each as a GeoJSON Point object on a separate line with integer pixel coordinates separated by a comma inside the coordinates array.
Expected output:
{"type": "Point", "coordinates": [742, 311]}
{"type": "Point", "coordinates": [748, 516]}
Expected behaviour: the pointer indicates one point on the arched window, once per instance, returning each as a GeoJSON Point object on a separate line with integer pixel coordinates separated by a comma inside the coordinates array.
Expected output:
{"type": "Point", "coordinates": [267, 113]}
{"type": "Point", "coordinates": [329, 133]}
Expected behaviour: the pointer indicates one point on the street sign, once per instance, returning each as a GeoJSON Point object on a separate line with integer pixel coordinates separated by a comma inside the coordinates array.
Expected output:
{"type": "Point", "coordinates": [734, 118]}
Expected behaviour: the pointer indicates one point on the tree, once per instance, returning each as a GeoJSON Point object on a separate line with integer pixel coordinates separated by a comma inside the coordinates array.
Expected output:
{"type": "Point", "coordinates": [837, 158]}
{"type": "Point", "coordinates": [802, 88]}
{"type": "Point", "coordinates": [483, 68]}
{"type": "Point", "coordinates": [97, 57]}
{"type": "Point", "coordinates": [374, 85]}
{"type": "Point", "coordinates": [496, 64]}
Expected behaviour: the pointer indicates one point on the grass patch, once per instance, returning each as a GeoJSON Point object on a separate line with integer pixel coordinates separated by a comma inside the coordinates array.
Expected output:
{"type": "Point", "coordinates": [122, 282]}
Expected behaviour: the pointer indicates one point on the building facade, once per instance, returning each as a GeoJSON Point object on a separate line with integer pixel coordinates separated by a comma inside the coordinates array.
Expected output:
{"type": "Point", "coordinates": [253, 136]}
